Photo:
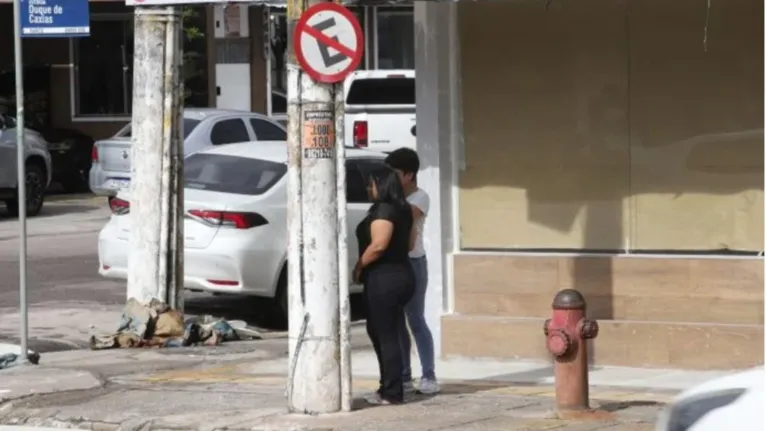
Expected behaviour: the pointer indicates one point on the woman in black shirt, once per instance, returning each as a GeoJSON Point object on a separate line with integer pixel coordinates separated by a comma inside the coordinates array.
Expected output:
{"type": "Point", "coordinates": [385, 239]}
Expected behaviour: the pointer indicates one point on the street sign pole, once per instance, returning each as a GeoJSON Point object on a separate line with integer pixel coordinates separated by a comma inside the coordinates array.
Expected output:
{"type": "Point", "coordinates": [155, 261]}
{"type": "Point", "coordinates": [53, 18]}
{"type": "Point", "coordinates": [324, 46]}
{"type": "Point", "coordinates": [21, 180]}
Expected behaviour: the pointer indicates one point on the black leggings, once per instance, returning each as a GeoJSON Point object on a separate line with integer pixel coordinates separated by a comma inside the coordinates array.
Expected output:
{"type": "Point", "coordinates": [386, 290]}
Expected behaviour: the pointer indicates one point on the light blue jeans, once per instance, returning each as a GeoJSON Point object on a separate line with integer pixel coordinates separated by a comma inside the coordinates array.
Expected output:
{"type": "Point", "coordinates": [415, 312]}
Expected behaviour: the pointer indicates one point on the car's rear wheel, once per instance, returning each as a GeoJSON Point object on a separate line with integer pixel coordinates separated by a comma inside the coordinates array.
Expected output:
{"type": "Point", "coordinates": [281, 307]}
{"type": "Point", "coordinates": [35, 191]}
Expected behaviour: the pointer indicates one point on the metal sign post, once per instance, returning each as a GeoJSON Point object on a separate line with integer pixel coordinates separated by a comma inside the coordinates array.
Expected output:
{"type": "Point", "coordinates": [22, 180]}
{"type": "Point", "coordinates": [46, 18]}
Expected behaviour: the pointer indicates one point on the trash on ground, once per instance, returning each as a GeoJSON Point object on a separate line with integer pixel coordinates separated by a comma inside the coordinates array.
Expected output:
{"type": "Point", "coordinates": [10, 356]}
{"type": "Point", "coordinates": [158, 325]}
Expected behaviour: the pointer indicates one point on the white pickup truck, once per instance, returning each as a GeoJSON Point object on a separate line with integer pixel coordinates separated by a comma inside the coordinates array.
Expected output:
{"type": "Point", "coordinates": [380, 109]}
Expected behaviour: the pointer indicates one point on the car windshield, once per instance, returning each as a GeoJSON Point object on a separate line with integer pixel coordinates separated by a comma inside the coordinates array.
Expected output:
{"type": "Point", "coordinates": [231, 174]}
{"type": "Point", "coordinates": [188, 126]}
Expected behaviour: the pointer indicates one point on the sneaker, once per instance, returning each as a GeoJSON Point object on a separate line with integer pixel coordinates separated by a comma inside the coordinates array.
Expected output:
{"type": "Point", "coordinates": [429, 387]}
{"type": "Point", "coordinates": [409, 387]}
{"type": "Point", "coordinates": [376, 400]}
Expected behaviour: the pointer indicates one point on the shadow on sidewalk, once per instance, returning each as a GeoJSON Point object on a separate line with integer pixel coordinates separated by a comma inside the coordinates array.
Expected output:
{"type": "Point", "coordinates": [616, 406]}
{"type": "Point", "coordinates": [257, 312]}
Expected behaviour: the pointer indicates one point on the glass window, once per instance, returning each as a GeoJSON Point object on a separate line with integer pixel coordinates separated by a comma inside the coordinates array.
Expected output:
{"type": "Point", "coordinates": [356, 186]}
{"type": "Point", "coordinates": [278, 59]}
{"type": "Point", "coordinates": [103, 72]}
{"type": "Point", "coordinates": [396, 39]}
{"type": "Point", "coordinates": [265, 131]}
{"type": "Point", "coordinates": [357, 177]}
{"type": "Point", "coordinates": [229, 132]}
{"type": "Point", "coordinates": [104, 69]}
{"type": "Point", "coordinates": [188, 126]}
{"type": "Point", "coordinates": [382, 91]}
{"type": "Point", "coordinates": [231, 174]}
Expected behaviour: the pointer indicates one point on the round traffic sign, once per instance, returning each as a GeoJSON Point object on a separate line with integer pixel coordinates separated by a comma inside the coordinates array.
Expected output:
{"type": "Point", "coordinates": [329, 43]}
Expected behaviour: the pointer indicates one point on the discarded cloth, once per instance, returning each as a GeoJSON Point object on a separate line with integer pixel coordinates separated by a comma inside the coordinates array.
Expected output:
{"type": "Point", "coordinates": [158, 325]}
{"type": "Point", "coordinates": [8, 360]}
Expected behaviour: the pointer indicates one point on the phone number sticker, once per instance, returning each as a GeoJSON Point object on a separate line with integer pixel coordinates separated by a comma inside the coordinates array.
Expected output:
{"type": "Point", "coordinates": [318, 135]}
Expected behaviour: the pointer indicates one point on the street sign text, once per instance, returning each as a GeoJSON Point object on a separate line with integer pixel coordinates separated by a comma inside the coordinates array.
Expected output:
{"type": "Point", "coordinates": [55, 18]}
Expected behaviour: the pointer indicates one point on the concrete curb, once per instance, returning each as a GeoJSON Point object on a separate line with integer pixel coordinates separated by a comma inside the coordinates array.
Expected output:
{"type": "Point", "coordinates": [28, 428]}
{"type": "Point", "coordinates": [74, 198]}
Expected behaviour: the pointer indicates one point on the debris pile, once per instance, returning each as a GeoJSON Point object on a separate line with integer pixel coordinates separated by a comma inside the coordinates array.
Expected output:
{"type": "Point", "coordinates": [10, 356]}
{"type": "Point", "coordinates": [158, 325]}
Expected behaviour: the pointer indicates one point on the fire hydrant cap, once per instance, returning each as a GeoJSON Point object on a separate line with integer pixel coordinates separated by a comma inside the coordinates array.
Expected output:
{"type": "Point", "coordinates": [568, 299]}
{"type": "Point", "coordinates": [558, 343]}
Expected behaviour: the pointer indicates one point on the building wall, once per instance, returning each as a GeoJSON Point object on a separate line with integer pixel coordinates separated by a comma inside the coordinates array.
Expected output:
{"type": "Point", "coordinates": [615, 147]}
{"type": "Point", "coordinates": [613, 125]}
{"type": "Point", "coordinates": [101, 67]}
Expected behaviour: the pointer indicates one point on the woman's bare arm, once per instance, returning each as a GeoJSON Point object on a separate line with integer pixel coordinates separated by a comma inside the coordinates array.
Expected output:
{"type": "Point", "coordinates": [381, 232]}
{"type": "Point", "coordinates": [417, 214]}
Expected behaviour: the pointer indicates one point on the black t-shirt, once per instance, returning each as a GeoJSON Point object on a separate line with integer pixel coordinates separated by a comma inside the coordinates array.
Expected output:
{"type": "Point", "coordinates": [398, 250]}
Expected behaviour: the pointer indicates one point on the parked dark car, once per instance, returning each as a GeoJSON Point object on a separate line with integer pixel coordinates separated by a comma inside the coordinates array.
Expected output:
{"type": "Point", "coordinates": [71, 156]}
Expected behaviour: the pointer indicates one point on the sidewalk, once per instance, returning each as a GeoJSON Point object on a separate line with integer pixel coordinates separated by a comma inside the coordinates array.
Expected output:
{"type": "Point", "coordinates": [243, 388]}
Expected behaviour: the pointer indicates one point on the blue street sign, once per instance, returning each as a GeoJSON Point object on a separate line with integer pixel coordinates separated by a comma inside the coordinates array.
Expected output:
{"type": "Point", "coordinates": [55, 18]}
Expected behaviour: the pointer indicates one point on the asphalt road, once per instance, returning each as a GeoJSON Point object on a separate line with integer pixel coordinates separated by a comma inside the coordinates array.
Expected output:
{"type": "Point", "coordinates": [68, 300]}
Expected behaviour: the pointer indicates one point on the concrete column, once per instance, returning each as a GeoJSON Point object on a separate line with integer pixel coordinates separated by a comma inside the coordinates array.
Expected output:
{"type": "Point", "coordinates": [438, 143]}
{"type": "Point", "coordinates": [155, 261]}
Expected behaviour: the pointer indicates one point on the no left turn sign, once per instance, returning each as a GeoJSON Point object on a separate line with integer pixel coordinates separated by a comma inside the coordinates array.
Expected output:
{"type": "Point", "coordinates": [328, 42]}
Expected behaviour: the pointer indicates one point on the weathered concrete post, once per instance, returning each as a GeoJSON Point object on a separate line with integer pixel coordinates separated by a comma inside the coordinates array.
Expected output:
{"type": "Point", "coordinates": [314, 382]}
{"type": "Point", "coordinates": [155, 263]}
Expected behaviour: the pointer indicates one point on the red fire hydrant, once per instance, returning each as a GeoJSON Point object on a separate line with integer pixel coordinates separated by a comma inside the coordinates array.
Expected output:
{"type": "Point", "coordinates": [566, 335]}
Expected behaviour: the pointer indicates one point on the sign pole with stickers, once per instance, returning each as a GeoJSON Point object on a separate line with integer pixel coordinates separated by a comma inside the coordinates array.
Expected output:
{"type": "Point", "coordinates": [325, 47]}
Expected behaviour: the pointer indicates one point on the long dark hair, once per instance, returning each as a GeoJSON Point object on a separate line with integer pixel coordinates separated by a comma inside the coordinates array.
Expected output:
{"type": "Point", "coordinates": [389, 188]}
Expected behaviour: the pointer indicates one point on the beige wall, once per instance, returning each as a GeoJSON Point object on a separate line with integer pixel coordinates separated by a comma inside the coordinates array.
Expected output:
{"type": "Point", "coordinates": [605, 124]}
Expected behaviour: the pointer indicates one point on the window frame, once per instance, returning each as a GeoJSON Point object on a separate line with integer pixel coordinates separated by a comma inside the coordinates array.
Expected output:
{"type": "Point", "coordinates": [386, 10]}
{"type": "Point", "coordinates": [74, 80]}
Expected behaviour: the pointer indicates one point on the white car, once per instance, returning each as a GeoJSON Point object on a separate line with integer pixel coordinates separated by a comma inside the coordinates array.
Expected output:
{"type": "Point", "coordinates": [235, 227]}
{"type": "Point", "coordinates": [734, 402]}
{"type": "Point", "coordinates": [202, 128]}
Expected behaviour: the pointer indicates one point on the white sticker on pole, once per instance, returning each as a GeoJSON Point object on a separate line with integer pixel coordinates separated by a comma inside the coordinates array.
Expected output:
{"type": "Point", "coordinates": [329, 42]}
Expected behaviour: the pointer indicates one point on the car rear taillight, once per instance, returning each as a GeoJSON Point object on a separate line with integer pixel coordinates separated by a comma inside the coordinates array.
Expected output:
{"type": "Point", "coordinates": [224, 282]}
{"type": "Point", "coordinates": [94, 154]}
{"type": "Point", "coordinates": [360, 134]}
{"type": "Point", "coordinates": [119, 206]}
{"type": "Point", "coordinates": [237, 220]}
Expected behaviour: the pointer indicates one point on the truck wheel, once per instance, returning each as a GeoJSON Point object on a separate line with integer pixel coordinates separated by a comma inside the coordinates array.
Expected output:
{"type": "Point", "coordinates": [35, 185]}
